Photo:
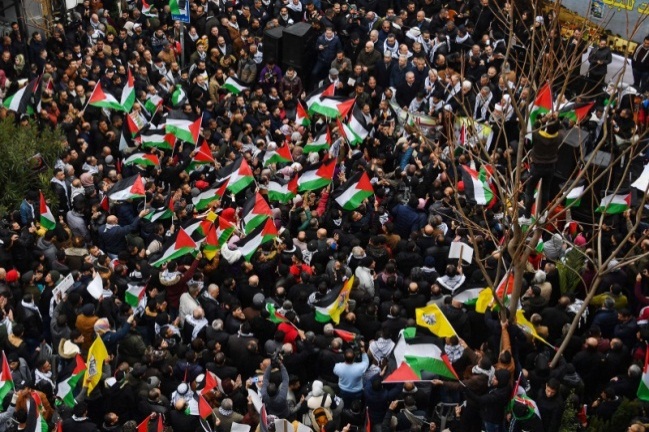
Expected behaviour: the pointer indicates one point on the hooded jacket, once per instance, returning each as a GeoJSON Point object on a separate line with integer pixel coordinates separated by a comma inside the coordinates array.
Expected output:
{"type": "Point", "coordinates": [493, 404]}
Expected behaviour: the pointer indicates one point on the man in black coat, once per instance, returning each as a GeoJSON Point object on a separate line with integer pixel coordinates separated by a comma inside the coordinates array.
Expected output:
{"type": "Point", "coordinates": [79, 422]}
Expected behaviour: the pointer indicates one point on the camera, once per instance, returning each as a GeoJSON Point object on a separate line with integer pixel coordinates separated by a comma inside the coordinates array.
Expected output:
{"type": "Point", "coordinates": [276, 358]}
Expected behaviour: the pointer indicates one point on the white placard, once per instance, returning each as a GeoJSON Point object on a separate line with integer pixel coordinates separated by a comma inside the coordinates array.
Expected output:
{"type": "Point", "coordinates": [238, 427]}
{"type": "Point", "coordinates": [96, 287]}
{"type": "Point", "coordinates": [461, 250]}
{"type": "Point", "coordinates": [63, 286]}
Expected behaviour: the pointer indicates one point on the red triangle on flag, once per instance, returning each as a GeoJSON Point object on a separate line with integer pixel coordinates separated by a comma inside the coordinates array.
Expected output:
{"type": "Point", "coordinates": [6, 371]}
{"type": "Point", "coordinates": [161, 426]}
{"type": "Point", "coordinates": [98, 94]}
{"type": "Point", "coordinates": [292, 184]}
{"type": "Point", "coordinates": [583, 111]}
{"type": "Point", "coordinates": [402, 374]}
{"type": "Point", "coordinates": [195, 128]}
{"type": "Point", "coordinates": [244, 169]}
{"type": "Point", "coordinates": [544, 97]}
{"type": "Point", "coordinates": [104, 203]}
{"type": "Point", "coordinates": [204, 153]}
{"type": "Point", "coordinates": [345, 107]}
{"type": "Point", "coordinates": [80, 366]}
{"type": "Point", "coordinates": [269, 228]}
{"type": "Point", "coordinates": [285, 152]}
{"type": "Point", "coordinates": [326, 170]}
{"type": "Point", "coordinates": [138, 186]}
{"type": "Point", "coordinates": [345, 335]}
{"type": "Point", "coordinates": [506, 286]}
{"type": "Point", "coordinates": [364, 183]}
{"type": "Point", "coordinates": [341, 129]}
{"type": "Point", "coordinates": [261, 206]}
{"type": "Point", "coordinates": [144, 426]}
{"type": "Point", "coordinates": [42, 204]}
{"type": "Point", "coordinates": [184, 240]}
{"type": "Point", "coordinates": [329, 91]}
{"type": "Point", "coordinates": [204, 408]}
{"type": "Point", "coordinates": [301, 112]}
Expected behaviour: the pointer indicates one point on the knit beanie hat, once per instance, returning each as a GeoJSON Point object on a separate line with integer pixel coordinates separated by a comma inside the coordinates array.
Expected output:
{"type": "Point", "coordinates": [102, 326]}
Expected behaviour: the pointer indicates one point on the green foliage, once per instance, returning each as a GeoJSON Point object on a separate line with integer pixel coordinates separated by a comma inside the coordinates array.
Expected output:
{"type": "Point", "coordinates": [569, 421]}
{"type": "Point", "coordinates": [569, 270]}
{"type": "Point", "coordinates": [19, 145]}
{"type": "Point", "coordinates": [595, 424]}
{"type": "Point", "coordinates": [626, 412]}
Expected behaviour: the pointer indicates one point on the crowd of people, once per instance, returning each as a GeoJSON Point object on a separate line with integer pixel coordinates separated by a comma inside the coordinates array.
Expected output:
{"type": "Point", "coordinates": [244, 333]}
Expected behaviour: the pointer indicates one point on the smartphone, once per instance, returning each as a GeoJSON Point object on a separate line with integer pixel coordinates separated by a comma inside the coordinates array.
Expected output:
{"type": "Point", "coordinates": [254, 380]}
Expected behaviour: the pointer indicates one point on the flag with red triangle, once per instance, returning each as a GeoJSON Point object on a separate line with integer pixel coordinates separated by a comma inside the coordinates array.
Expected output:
{"type": "Point", "coordinates": [203, 156]}
{"type": "Point", "coordinates": [128, 93]}
{"type": "Point", "coordinates": [542, 105]}
{"type": "Point", "coordinates": [301, 116]}
{"type": "Point", "coordinates": [47, 219]}
{"type": "Point", "coordinates": [316, 176]}
{"type": "Point", "coordinates": [239, 174]}
{"type": "Point", "coordinates": [128, 188]}
{"type": "Point", "coordinates": [355, 190]}
{"type": "Point", "coordinates": [322, 141]}
{"type": "Point", "coordinates": [281, 155]}
{"type": "Point", "coordinates": [6, 381]}
{"type": "Point", "coordinates": [182, 127]}
{"type": "Point", "coordinates": [183, 245]}
{"type": "Point", "coordinates": [255, 211]}
{"type": "Point", "coordinates": [101, 99]}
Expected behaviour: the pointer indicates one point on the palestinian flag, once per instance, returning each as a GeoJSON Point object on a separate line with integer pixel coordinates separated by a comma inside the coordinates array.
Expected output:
{"type": "Point", "coordinates": [203, 156]}
{"type": "Point", "coordinates": [144, 426]}
{"type": "Point", "coordinates": [282, 191]}
{"type": "Point", "coordinates": [573, 198]}
{"type": "Point", "coordinates": [35, 420]}
{"type": "Point", "coordinates": [128, 93]}
{"type": "Point", "coordinates": [6, 382]}
{"type": "Point", "coordinates": [66, 388]}
{"type": "Point", "coordinates": [281, 155]}
{"type": "Point", "coordinates": [255, 211]}
{"type": "Point", "coordinates": [275, 316]}
{"type": "Point", "coordinates": [643, 389]}
{"type": "Point", "coordinates": [146, 10]}
{"type": "Point", "coordinates": [476, 189]}
{"type": "Point", "coordinates": [101, 99]}
{"type": "Point", "coordinates": [263, 419]}
{"type": "Point", "coordinates": [134, 295]}
{"type": "Point", "coordinates": [260, 235]}
{"type": "Point", "coordinates": [211, 382]}
{"type": "Point", "coordinates": [330, 106]}
{"type": "Point", "coordinates": [542, 105]}
{"type": "Point", "coordinates": [302, 116]}
{"type": "Point", "coordinates": [468, 297]}
{"type": "Point", "coordinates": [161, 213]}
{"type": "Point", "coordinates": [355, 190]}
{"type": "Point", "coordinates": [417, 355]}
{"type": "Point", "coordinates": [157, 138]}
{"type": "Point", "coordinates": [506, 286]}
{"type": "Point", "coordinates": [345, 335]}
{"type": "Point", "coordinates": [178, 97]}
{"type": "Point", "coordinates": [358, 126]}
{"type": "Point", "coordinates": [19, 101]}
{"type": "Point", "coordinates": [235, 86]}
{"type": "Point", "coordinates": [239, 175]}
{"type": "Point", "coordinates": [47, 219]}
{"type": "Point", "coordinates": [321, 142]}
{"type": "Point", "coordinates": [320, 92]}
{"type": "Point", "coordinates": [217, 235]}
{"type": "Point", "coordinates": [182, 128]}
{"type": "Point", "coordinates": [132, 125]}
{"type": "Point", "coordinates": [153, 103]}
{"type": "Point", "coordinates": [183, 245]}
{"type": "Point", "coordinates": [576, 113]}
{"type": "Point", "coordinates": [614, 204]}
{"type": "Point", "coordinates": [334, 303]}
{"type": "Point", "coordinates": [143, 159]}
{"type": "Point", "coordinates": [316, 176]}
{"type": "Point", "coordinates": [207, 197]}
{"type": "Point", "coordinates": [128, 188]}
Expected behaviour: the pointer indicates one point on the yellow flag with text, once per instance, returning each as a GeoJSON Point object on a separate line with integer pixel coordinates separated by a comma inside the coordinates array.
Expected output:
{"type": "Point", "coordinates": [95, 364]}
{"type": "Point", "coordinates": [432, 318]}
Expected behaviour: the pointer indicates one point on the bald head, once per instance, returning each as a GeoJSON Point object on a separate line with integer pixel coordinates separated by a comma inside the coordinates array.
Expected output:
{"type": "Point", "coordinates": [322, 233]}
{"type": "Point", "coordinates": [253, 280]}
{"type": "Point", "coordinates": [591, 343]}
{"type": "Point", "coordinates": [111, 220]}
{"type": "Point", "coordinates": [429, 230]}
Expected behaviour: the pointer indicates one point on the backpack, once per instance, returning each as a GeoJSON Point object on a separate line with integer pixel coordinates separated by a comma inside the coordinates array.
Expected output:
{"type": "Point", "coordinates": [321, 415]}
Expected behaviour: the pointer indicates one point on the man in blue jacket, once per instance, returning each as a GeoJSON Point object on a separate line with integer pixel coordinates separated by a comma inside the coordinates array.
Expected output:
{"type": "Point", "coordinates": [327, 45]}
{"type": "Point", "coordinates": [112, 236]}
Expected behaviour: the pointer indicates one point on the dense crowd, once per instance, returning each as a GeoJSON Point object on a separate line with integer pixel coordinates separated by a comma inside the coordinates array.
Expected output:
{"type": "Point", "coordinates": [243, 335]}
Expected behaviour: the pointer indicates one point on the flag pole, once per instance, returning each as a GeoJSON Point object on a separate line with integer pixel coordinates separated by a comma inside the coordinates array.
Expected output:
{"type": "Point", "coordinates": [90, 98]}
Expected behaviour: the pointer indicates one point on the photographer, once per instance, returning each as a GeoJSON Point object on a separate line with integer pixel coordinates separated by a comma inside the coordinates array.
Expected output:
{"type": "Point", "coordinates": [273, 396]}
{"type": "Point", "coordinates": [350, 375]}
{"type": "Point", "coordinates": [327, 45]}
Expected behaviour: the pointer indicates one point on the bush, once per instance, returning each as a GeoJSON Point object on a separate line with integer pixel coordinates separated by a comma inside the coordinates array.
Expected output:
{"type": "Point", "coordinates": [23, 148]}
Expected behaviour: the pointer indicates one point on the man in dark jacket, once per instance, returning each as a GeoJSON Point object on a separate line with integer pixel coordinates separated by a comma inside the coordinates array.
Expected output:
{"type": "Point", "coordinates": [545, 144]}
{"type": "Point", "coordinates": [79, 422]}
{"type": "Point", "coordinates": [493, 404]}
{"type": "Point", "coordinates": [599, 59]}
{"type": "Point", "coordinates": [550, 404]}
{"type": "Point", "coordinates": [407, 219]}
{"type": "Point", "coordinates": [274, 396]}
{"type": "Point", "coordinates": [112, 236]}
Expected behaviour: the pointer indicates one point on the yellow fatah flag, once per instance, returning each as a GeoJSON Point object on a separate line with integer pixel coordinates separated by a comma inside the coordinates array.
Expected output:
{"type": "Point", "coordinates": [528, 327]}
{"type": "Point", "coordinates": [95, 364]}
{"type": "Point", "coordinates": [485, 299]}
{"type": "Point", "coordinates": [432, 318]}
